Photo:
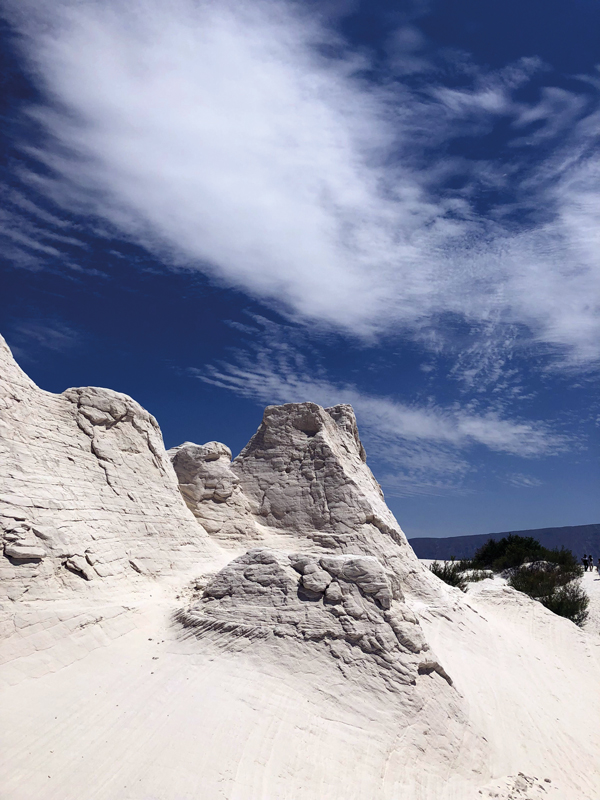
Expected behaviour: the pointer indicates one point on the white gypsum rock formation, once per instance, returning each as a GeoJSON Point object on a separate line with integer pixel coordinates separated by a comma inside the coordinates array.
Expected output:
{"type": "Point", "coordinates": [257, 628]}
{"type": "Point", "coordinates": [303, 478]}
{"type": "Point", "coordinates": [306, 470]}
{"type": "Point", "coordinates": [211, 490]}
{"type": "Point", "coordinates": [346, 606]}
{"type": "Point", "coordinates": [86, 490]}
{"type": "Point", "coordinates": [304, 475]}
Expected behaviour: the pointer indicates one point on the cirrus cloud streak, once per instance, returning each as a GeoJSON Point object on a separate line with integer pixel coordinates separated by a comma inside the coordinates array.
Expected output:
{"type": "Point", "coordinates": [226, 137]}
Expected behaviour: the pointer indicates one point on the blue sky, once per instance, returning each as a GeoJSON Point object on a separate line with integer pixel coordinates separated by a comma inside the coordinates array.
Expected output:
{"type": "Point", "coordinates": [217, 206]}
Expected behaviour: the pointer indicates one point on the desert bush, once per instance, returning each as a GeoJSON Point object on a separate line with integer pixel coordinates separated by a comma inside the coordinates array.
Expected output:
{"type": "Point", "coordinates": [537, 580]}
{"type": "Point", "coordinates": [510, 551]}
{"type": "Point", "coordinates": [476, 575]}
{"type": "Point", "coordinates": [550, 576]}
{"type": "Point", "coordinates": [450, 572]}
{"type": "Point", "coordinates": [513, 551]}
{"type": "Point", "coordinates": [556, 586]}
{"type": "Point", "coordinates": [569, 601]}
{"type": "Point", "coordinates": [565, 559]}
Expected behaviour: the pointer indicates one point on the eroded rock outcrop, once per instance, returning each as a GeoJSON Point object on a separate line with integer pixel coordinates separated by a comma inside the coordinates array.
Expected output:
{"type": "Point", "coordinates": [303, 477]}
{"type": "Point", "coordinates": [334, 561]}
{"type": "Point", "coordinates": [301, 661]}
{"type": "Point", "coordinates": [347, 606]}
{"type": "Point", "coordinates": [20, 542]}
{"type": "Point", "coordinates": [86, 488]}
{"type": "Point", "coordinates": [212, 491]}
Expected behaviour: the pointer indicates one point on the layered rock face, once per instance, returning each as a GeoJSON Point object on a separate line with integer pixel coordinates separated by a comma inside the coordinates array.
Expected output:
{"type": "Point", "coordinates": [348, 607]}
{"type": "Point", "coordinates": [305, 468]}
{"type": "Point", "coordinates": [90, 496]}
{"type": "Point", "coordinates": [302, 482]}
{"type": "Point", "coordinates": [87, 492]}
{"type": "Point", "coordinates": [320, 588]}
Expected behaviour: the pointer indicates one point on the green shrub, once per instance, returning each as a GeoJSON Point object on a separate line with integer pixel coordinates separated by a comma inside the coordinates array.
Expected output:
{"type": "Point", "coordinates": [510, 551]}
{"type": "Point", "coordinates": [557, 587]}
{"type": "Point", "coordinates": [537, 580]}
{"type": "Point", "coordinates": [451, 573]}
{"type": "Point", "coordinates": [471, 573]}
{"type": "Point", "coordinates": [476, 575]}
{"type": "Point", "coordinates": [569, 601]}
{"type": "Point", "coordinates": [550, 576]}
{"type": "Point", "coordinates": [513, 551]}
{"type": "Point", "coordinates": [565, 559]}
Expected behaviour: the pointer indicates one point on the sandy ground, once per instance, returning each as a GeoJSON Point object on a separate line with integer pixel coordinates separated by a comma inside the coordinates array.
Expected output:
{"type": "Point", "coordinates": [591, 584]}
{"type": "Point", "coordinates": [109, 703]}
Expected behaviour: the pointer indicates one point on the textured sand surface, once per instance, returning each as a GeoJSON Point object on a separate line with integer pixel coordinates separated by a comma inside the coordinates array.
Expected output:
{"type": "Point", "coordinates": [265, 633]}
{"type": "Point", "coordinates": [115, 703]}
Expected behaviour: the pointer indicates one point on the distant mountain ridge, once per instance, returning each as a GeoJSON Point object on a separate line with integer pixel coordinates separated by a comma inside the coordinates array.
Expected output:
{"type": "Point", "coordinates": [581, 539]}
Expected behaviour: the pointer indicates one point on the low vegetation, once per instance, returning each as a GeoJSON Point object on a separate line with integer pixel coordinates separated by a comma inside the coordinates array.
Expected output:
{"type": "Point", "coordinates": [556, 586]}
{"type": "Point", "coordinates": [451, 573]}
{"type": "Point", "coordinates": [553, 577]}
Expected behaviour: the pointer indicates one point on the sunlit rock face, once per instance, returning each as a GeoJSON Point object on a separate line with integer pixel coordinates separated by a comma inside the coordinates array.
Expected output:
{"type": "Point", "coordinates": [87, 493]}
{"type": "Point", "coordinates": [347, 608]}
{"type": "Point", "coordinates": [212, 491]}
{"type": "Point", "coordinates": [303, 477]}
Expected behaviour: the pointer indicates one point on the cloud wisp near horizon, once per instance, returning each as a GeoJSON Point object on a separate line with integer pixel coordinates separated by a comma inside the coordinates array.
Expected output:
{"type": "Point", "coordinates": [247, 140]}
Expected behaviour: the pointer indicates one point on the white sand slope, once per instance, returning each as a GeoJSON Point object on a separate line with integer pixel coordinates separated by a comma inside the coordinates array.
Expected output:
{"type": "Point", "coordinates": [276, 639]}
{"type": "Point", "coordinates": [114, 703]}
{"type": "Point", "coordinates": [531, 682]}
{"type": "Point", "coordinates": [591, 584]}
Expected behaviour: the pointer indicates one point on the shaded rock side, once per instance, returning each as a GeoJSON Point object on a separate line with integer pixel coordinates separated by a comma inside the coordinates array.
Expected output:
{"type": "Point", "coordinates": [212, 491]}
{"type": "Point", "coordinates": [86, 489]}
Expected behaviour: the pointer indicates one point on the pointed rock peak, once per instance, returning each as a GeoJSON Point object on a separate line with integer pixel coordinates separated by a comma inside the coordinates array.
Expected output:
{"type": "Point", "coordinates": [13, 381]}
{"type": "Point", "coordinates": [344, 417]}
{"type": "Point", "coordinates": [305, 471]}
{"type": "Point", "coordinates": [294, 424]}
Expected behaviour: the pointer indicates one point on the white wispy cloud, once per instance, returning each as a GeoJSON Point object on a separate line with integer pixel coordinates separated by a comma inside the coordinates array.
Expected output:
{"type": "Point", "coordinates": [31, 237]}
{"type": "Point", "coordinates": [419, 448]}
{"type": "Point", "coordinates": [522, 481]}
{"type": "Point", "coordinates": [226, 137]}
{"type": "Point", "coordinates": [272, 382]}
{"type": "Point", "coordinates": [28, 338]}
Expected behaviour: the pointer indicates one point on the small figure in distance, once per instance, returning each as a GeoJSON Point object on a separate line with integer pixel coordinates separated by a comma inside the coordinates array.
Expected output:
{"type": "Point", "coordinates": [584, 561]}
